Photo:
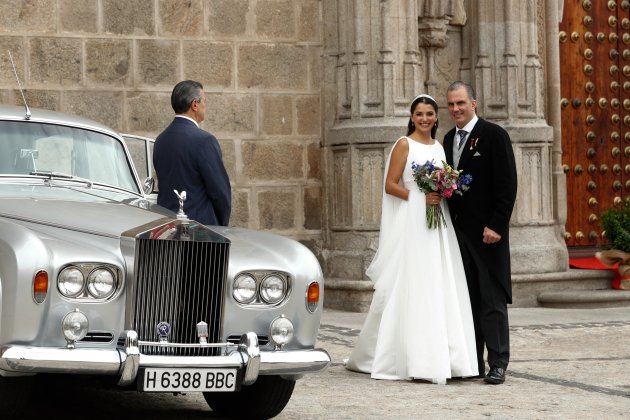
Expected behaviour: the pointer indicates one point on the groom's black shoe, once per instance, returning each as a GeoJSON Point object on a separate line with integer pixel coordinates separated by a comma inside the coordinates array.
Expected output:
{"type": "Point", "coordinates": [496, 376]}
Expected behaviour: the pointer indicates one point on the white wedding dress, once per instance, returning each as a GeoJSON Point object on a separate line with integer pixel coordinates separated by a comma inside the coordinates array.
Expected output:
{"type": "Point", "coordinates": [419, 325]}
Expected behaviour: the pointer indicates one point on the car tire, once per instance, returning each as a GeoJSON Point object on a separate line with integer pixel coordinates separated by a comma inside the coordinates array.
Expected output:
{"type": "Point", "coordinates": [263, 399]}
{"type": "Point", "coordinates": [15, 393]}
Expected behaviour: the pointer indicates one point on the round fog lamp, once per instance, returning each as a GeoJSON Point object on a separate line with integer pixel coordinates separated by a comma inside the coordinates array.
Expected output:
{"type": "Point", "coordinates": [281, 331]}
{"type": "Point", "coordinates": [74, 326]}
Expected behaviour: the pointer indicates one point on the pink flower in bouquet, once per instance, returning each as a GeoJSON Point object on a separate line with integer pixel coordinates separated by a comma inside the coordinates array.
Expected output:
{"type": "Point", "coordinates": [444, 180]}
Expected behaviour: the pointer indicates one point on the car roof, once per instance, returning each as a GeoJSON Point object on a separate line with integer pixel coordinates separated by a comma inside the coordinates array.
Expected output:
{"type": "Point", "coordinates": [17, 113]}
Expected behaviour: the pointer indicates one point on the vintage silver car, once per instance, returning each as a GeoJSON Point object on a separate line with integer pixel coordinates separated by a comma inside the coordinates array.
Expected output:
{"type": "Point", "coordinates": [97, 280]}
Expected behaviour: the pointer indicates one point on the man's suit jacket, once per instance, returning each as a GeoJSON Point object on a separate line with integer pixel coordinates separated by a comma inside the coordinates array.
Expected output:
{"type": "Point", "coordinates": [187, 158]}
{"type": "Point", "coordinates": [487, 156]}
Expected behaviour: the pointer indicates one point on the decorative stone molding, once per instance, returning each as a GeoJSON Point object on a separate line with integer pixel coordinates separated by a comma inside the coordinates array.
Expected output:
{"type": "Point", "coordinates": [432, 33]}
{"type": "Point", "coordinates": [483, 48]}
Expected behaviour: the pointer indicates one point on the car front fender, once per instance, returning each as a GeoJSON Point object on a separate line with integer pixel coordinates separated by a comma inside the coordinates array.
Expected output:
{"type": "Point", "coordinates": [22, 254]}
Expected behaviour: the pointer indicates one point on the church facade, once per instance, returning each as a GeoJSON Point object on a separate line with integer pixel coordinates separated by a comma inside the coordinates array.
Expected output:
{"type": "Point", "coordinates": [307, 96]}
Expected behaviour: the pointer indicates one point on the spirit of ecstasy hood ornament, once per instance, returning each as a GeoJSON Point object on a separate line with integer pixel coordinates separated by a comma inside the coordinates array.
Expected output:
{"type": "Point", "coordinates": [182, 197]}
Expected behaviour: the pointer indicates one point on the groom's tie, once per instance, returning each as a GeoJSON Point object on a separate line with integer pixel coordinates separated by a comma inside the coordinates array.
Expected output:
{"type": "Point", "coordinates": [462, 137]}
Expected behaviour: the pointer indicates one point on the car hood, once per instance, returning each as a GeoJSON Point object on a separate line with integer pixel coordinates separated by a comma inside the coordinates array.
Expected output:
{"type": "Point", "coordinates": [110, 214]}
{"type": "Point", "coordinates": [91, 211]}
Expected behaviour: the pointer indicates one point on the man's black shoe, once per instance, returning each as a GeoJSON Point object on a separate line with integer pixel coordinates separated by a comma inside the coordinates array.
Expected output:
{"type": "Point", "coordinates": [496, 376]}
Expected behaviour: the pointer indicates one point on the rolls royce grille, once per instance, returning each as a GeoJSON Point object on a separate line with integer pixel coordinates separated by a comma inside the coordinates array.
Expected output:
{"type": "Point", "coordinates": [180, 283]}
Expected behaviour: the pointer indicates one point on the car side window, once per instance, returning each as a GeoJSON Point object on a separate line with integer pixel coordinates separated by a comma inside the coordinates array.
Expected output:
{"type": "Point", "coordinates": [141, 151]}
{"type": "Point", "coordinates": [137, 150]}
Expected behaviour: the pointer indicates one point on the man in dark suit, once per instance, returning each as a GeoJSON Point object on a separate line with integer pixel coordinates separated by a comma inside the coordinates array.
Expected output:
{"type": "Point", "coordinates": [481, 217]}
{"type": "Point", "coordinates": [187, 158]}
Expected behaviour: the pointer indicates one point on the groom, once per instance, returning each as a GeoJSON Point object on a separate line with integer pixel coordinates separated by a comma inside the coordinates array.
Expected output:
{"type": "Point", "coordinates": [481, 217]}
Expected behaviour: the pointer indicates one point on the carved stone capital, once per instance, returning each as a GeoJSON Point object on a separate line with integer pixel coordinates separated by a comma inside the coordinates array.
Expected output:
{"type": "Point", "coordinates": [432, 33]}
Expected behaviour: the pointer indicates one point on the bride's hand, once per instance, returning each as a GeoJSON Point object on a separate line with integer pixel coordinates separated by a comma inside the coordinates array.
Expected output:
{"type": "Point", "coordinates": [433, 198]}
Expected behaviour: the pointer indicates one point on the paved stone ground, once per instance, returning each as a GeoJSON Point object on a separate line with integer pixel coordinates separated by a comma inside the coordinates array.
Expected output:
{"type": "Point", "coordinates": [566, 364]}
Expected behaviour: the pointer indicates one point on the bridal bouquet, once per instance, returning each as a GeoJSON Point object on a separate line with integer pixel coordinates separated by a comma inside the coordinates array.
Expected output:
{"type": "Point", "coordinates": [444, 180]}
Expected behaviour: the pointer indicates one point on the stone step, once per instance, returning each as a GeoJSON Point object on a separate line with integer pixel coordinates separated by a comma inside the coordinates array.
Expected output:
{"type": "Point", "coordinates": [604, 298]}
{"type": "Point", "coordinates": [527, 288]}
{"type": "Point", "coordinates": [574, 288]}
{"type": "Point", "coordinates": [570, 289]}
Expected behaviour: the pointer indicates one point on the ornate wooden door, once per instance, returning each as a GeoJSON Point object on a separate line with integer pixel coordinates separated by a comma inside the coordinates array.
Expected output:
{"type": "Point", "coordinates": [595, 87]}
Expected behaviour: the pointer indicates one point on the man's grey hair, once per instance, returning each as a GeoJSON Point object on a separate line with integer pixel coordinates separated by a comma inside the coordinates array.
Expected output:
{"type": "Point", "coordinates": [184, 93]}
{"type": "Point", "coordinates": [459, 84]}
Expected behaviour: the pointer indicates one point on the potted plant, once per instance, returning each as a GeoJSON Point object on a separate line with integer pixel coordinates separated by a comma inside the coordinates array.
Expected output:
{"type": "Point", "coordinates": [616, 225]}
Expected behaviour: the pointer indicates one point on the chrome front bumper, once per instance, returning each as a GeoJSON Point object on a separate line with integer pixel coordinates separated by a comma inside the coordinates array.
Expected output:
{"type": "Point", "coordinates": [126, 361]}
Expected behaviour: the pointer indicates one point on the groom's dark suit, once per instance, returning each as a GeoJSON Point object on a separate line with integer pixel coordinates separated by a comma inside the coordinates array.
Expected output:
{"type": "Point", "coordinates": [489, 158]}
{"type": "Point", "coordinates": [187, 158]}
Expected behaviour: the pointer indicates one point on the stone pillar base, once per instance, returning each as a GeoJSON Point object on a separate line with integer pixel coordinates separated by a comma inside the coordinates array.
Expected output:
{"type": "Point", "coordinates": [537, 249]}
{"type": "Point", "coordinates": [348, 295]}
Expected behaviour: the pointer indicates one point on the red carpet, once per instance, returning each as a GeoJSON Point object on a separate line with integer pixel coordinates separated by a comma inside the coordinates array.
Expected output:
{"type": "Point", "coordinates": [595, 264]}
{"type": "Point", "coordinates": [590, 264]}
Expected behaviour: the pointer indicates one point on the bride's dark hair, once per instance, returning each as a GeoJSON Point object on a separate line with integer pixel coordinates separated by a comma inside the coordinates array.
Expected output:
{"type": "Point", "coordinates": [422, 100]}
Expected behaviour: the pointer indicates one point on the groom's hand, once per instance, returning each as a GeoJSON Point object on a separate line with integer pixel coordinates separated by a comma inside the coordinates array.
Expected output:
{"type": "Point", "coordinates": [490, 236]}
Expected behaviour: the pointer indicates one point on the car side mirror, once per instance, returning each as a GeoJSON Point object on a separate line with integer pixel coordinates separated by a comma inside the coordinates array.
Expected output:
{"type": "Point", "coordinates": [148, 184]}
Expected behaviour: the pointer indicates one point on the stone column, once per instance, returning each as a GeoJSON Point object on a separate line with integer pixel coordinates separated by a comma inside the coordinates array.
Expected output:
{"type": "Point", "coordinates": [510, 88]}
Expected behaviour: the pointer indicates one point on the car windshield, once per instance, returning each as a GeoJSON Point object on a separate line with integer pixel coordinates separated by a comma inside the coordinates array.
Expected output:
{"type": "Point", "coordinates": [33, 148]}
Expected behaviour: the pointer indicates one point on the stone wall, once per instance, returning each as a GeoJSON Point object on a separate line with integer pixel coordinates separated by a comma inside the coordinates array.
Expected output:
{"type": "Point", "coordinates": [116, 61]}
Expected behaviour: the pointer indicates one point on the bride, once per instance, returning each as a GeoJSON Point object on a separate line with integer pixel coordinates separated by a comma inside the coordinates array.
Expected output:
{"type": "Point", "coordinates": [419, 325]}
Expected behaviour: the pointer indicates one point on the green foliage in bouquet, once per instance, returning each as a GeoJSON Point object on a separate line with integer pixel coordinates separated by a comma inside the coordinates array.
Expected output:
{"type": "Point", "coordinates": [616, 223]}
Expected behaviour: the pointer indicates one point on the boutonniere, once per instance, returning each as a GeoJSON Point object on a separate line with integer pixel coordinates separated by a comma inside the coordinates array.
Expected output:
{"type": "Point", "coordinates": [473, 142]}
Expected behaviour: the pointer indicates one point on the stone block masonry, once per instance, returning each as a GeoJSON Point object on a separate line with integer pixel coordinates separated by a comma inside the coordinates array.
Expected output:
{"type": "Point", "coordinates": [116, 61]}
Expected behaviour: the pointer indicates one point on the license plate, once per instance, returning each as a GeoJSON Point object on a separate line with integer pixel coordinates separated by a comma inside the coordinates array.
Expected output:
{"type": "Point", "coordinates": [188, 379]}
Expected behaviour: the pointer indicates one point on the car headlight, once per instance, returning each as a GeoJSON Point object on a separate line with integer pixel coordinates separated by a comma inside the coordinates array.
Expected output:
{"type": "Point", "coordinates": [89, 281]}
{"type": "Point", "coordinates": [261, 288]}
{"type": "Point", "coordinates": [281, 330]}
{"type": "Point", "coordinates": [272, 289]}
{"type": "Point", "coordinates": [70, 281]}
{"type": "Point", "coordinates": [101, 283]}
{"type": "Point", "coordinates": [244, 290]}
